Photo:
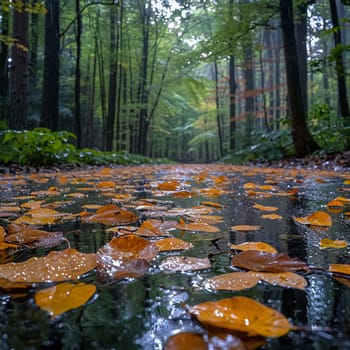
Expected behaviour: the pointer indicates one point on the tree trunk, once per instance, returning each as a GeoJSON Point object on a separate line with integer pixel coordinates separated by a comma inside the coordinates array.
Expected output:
{"type": "Point", "coordinates": [19, 73]}
{"type": "Point", "coordinates": [4, 65]}
{"type": "Point", "coordinates": [304, 143]}
{"type": "Point", "coordinates": [77, 74]}
{"type": "Point", "coordinates": [50, 94]}
{"type": "Point", "coordinates": [218, 112]}
{"type": "Point", "coordinates": [339, 63]}
{"type": "Point", "coordinates": [232, 102]}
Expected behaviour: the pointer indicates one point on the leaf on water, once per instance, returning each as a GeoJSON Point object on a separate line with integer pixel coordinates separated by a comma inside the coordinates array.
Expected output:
{"type": "Point", "coordinates": [172, 243]}
{"type": "Point", "coordinates": [126, 256]}
{"type": "Point", "coordinates": [64, 297]}
{"type": "Point", "coordinates": [340, 268]}
{"type": "Point", "coordinates": [35, 238]}
{"type": "Point", "coordinates": [264, 207]}
{"type": "Point", "coordinates": [283, 279]}
{"type": "Point", "coordinates": [213, 204]}
{"type": "Point", "coordinates": [186, 341]}
{"type": "Point", "coordinates": [245, 228]}
{"type": "Point", "coordinates": [318, 218]}
{"type": "Point", "coordinates": [211, 192]}
{"type": "Point", "coordinates": [335, 203]}
{"type": "Point", "coordinates": [184, 263]}
{"type": "Point", "coordinates": [168, 186]}
{"type": "Point", "coordinates": [330, 243]}
{"type": "Point", "coordinates": [3, 244]}
{"type": "Point", "coordinates": [260, 246]}
{"type": "Point", "coordinates": [196, 226]}
{"type": "Point", "coordinates": [106, 184]}
{"type": "Point", "coordinates": [184, 194]}
{"type": "Point", "coordinates": [242, 314]}
{"type": "Point", "coordinates": [147, 229]}
{"type": "Point", "coordinates": [110, 214]}
{"type": "Point", "coordinates": [234, 281]}
{"type": "Point", "coordinates": [57, 266]}
{"type": "Point", "coordinates": [269, 262]}
{"type": "Point", "coordinates": [271, 216]}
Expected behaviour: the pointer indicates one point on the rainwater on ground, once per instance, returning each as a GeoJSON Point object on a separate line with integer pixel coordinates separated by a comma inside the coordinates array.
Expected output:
{"type": "Point", "coordinates": [141, 313]}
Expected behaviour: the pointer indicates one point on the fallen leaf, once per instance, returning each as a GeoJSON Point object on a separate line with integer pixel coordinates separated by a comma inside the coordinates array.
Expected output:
{"type": "Point", "coordinates": [245, 228]}
{"type": "Point", "coordinates": [284, 279]}
{"type": "Point", "coordinates": [234, 281]}
{"type": "Point", "coordinates": [64, 297]}
{"type": "Point", "coordinates": [272, 216]}
{"type": "Point", "coordinates": [196, 226]}
{"type": "Point", "coordinates": [57, 266]}
{"type": "Point", "coordinates": [242, 314]}
{"type": "Point", "coordinates": [329, 243]}
{"type": "Point", "coordinates": [340, 268]}
{"type": "Point", "coordinates": [213, 204]}
{"type": "Point", "coordinates": [184, 263]}
{"type": "Point", "coordinates": [186, 341]}
{"type": "Point", "coordinates": [172, 243]}
{"type": "Point", "coordinates": [168, 186]}
{"type": "Point", "coordinates": [318, 218]}
{"type": "Point", "coordinates": [264, 207]}
{"type": "Point", "coordinates": [269, 262]}
{"type": "Point", "coordinates": [260, 246]}
{"type": "Point", "coordinates": [335, 203]}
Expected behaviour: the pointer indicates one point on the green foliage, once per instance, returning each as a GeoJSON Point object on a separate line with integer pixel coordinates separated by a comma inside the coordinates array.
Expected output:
{"type": "Point", "coordinates": [269, 146]}
{"type": "Point", "coordinates": [42, 146]}
{"type": "Point", "coordinates": [37, 147]}
{"type": "Point", "coordinates": [329, 131]}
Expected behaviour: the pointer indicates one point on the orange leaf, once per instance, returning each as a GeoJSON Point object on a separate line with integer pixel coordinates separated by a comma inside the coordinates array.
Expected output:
{"type": "Point", "coordinates": [169, 186]}
{"type": "Point", "coordinates": [172, 243]}
{"type": "Point", "coordinates": [106, 184]}
{"type": "Point", "coordinates": [196, 226]}
{"type": "Point", "coordinates": [245, 228]}
{"type": "Point", "coordinates": [57, 266]}
{"type": "Point", "coordinates": [260, 246]}
{"type": "Point", "coordinates": [242, 314]}
{"type": "Point", "coordinates": [272, 216]}
{"type": "Point", "coordinates": [233, 281]}
{"type": "Point", "coordinates": [329, 243]}
{"type": "Point", "coordinates": [264, 207]}
{"type": "Point", "coordinates": [64, 297]}
{"type": "Point", "coordinates": [318, 218]}
{"type": "Point", "coordinates": [335, 203]}
{"type": "Point", "coordinates": [340, 268]}
{"type": "Point", "coordinates": [184, 194]}
{"type": "Point", "coordinates": [268, 262]}
{"type": "Point", "coordinates": [284, 279]}
{"type": "Point", "coordinates": [184, 263]}
{"type": "Point", "coordinates": [213, 204]}
{"type": "Point", "coordinates": [186, 341]}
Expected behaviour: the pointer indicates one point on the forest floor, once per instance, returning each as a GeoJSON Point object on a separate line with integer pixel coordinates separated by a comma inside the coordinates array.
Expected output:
{"type": "Point", "coordinates": [339, 162]}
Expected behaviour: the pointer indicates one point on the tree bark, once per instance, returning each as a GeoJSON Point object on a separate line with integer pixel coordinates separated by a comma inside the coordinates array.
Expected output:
{"type": "Point", "coordinates": [50, 94]}
{"type": "Point", "coordinates": [304, 143]}
{"type": "Point", "coordinates": [232, 102]}
{"type": "Point", "coordinates": [4, 65]}
{"type": "Point", "coordinates": [19, 73]}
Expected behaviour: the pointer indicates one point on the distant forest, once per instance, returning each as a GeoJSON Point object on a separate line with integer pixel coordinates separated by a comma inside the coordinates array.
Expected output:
{"type": "Point", "coordinates": [187, 80]}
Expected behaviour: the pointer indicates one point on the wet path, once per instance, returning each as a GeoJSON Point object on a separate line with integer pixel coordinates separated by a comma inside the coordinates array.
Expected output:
{"type": "Point", "coordinates": [141, 313]}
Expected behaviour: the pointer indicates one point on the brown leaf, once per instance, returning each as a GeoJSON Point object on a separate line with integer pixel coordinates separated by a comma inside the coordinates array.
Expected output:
{"type": "Point", "coordinates": [268, 262]}
{"type": "Point", "coordinates": [264, 207]}
{"type": "Point", "coordinates": [340, 268]}
{"type": "Point", "coordinates": [196, 226]}
{"type": "Point", "coordinates": [284, 279]}
{"type": "Point", "coordinates": [245, 228]}
{"type": "Point", "coordinates": [234, 281]}
{"type": "Point", "coordinates": [318, 218]}
{"type": "Point", "coordinates": [172, 243]}
{"type": "Point", "coordinates": [260, 246]}
{"type": "Point", "coordinates": [329, 243]}
{"type": "Point", "coordinates": [242, 314]}
{"type": "Point", "coordinates": [186, 341]}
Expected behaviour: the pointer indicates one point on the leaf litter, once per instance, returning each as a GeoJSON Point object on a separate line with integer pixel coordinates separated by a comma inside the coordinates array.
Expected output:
{"type": "Point", "coordinates": [145, 233]}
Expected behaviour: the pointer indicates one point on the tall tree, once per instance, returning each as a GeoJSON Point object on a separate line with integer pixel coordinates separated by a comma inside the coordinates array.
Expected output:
{"type": "Point", "coordinates": [19, 71]}
{"type": "Point", "coordinates": [303, 141]}
{"type": "Point", "coordinates": [339, 63]}
{"type": "Point", "coordinates": [50, 93]}
{"type": "Point", "coordinates": [4, 65]}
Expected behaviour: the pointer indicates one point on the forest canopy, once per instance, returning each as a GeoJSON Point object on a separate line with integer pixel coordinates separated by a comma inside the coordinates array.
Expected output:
{"type": "Point", "coordinates": [187, 80]}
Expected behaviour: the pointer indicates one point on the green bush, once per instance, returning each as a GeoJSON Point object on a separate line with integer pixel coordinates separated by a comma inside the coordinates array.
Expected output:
{"type": "Point", "coordinates": [37, 147]}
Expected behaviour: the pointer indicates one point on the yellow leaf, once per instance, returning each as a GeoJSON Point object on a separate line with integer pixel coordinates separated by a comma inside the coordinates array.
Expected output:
{"type": "Point", "coordinates": [340, 268]}
{"type": "Point", "coordinates": [272, 216]}
{"type": "Point", "coordinates": [260, 246]}
{"type": "Point", "coordinates": [329, 243]}
{"type": "Point", "coordinates": [196, 226]}
{"type": "Point", "coordinates": [172, 243]}
{"type": "Point", "coordinates": [242, 314]}
{"type": "Point", "coordinates": [64, 297]}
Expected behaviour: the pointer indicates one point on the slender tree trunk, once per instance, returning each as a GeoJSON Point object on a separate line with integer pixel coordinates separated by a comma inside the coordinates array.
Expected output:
{"type": "Point", "coordinates": [4, 72]}
{"type": "Point", "coordinates": [232, 102]}
{"type": "Point", "coordinates": [304, 143]}
{"type": "Point", "coordinates": [218, 112]}
{"type": "Point", "coordinates": [19, 73]}
{"type": "Point", "coordinates": [339, 63]}
{"type": "Point", "coordinates": [50, 94]}
{"type": "Point", "coordinates": [77, 84]}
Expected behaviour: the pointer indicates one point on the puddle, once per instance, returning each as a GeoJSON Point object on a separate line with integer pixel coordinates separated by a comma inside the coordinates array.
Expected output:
{"type": "Point", "coordinates": [141, 313]}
